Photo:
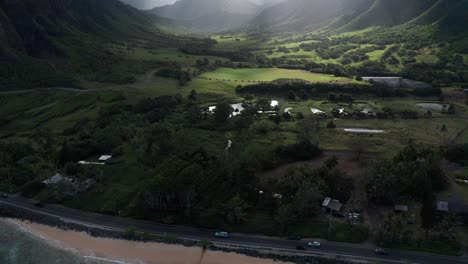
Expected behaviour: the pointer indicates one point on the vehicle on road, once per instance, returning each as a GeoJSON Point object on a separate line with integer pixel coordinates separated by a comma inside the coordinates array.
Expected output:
{"type": "Point", "coordinates": [300, 248]}
{"type": "Point", "coordinates": [222, 234]}
{"type": "Point", "coordinates": [39, 204]}
{"type": "Point", "coordinates": [380, 251]}
{"type": "Point", "coordinates": [2, 195]}
{"type": "Point", "coordinates": [314, 244]}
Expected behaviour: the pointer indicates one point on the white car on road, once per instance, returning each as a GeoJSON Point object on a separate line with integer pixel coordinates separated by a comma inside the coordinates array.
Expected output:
{"type": "Point", "coordinates": [314, 244]}
{"type": "Point", "coordinates": [222, 234]}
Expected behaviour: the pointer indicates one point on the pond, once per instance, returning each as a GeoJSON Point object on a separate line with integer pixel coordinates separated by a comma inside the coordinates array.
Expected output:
{"type": "Point", "coordinates": [363, 130]}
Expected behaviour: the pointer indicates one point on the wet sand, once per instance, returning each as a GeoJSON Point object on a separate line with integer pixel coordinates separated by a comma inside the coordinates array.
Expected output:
{"type": "Point", "coordinates": [121, 251]}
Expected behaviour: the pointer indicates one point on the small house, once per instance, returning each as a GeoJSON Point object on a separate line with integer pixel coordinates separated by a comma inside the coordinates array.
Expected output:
{"type": "Point", "coordinates": [442, 206]}
{"type": "Point", "coordinates": [105, 158]}
{"type": "Point", "coordinates": [399, 208]}
{"type": "Point", "coordinates": [459, 208]}
{"type": "Point", "coordinates": [332, 204]}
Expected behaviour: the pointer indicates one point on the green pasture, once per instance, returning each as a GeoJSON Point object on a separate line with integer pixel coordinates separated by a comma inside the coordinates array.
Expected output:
{"type": "Point", "coordinates": [270, 74]}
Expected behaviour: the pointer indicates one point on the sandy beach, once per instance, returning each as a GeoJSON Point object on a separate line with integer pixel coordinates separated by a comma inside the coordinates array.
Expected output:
{"type": "Point", "coordinates": [122, 251]}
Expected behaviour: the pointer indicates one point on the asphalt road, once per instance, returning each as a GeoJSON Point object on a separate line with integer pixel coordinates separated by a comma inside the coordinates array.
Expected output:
{"type": "Point", "coordinates": [342, 250]}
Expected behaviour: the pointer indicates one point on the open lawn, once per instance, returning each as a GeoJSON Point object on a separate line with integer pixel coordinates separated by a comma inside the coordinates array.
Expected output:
{"type": "Point", "coordinates": [270, 74]}
{"type": "Point", "coordinates": [462, 138]}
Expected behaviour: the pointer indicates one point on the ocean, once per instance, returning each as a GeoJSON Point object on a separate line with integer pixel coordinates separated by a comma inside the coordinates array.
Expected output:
{"type": "Point", "coordinates": [17, 246]}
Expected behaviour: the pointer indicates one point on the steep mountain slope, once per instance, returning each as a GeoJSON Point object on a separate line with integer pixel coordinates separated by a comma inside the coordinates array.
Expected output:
{"type": "Point", "coordinates": [300, 15]}
{"type": "Point", "coordinates": [390, 13]}
{"type": "Point", "coordinates": [41, 24]}
{"type": "Point", "coordinates": [349, 15]}
{"type": "Point", "coordinates": [296, 15]}
{"type": "Point", "coordinates": [54, 42]}
{"type": "Point", "coordinates": [209, 15]}
{"type": "Point", "coordinates": [450, 17]}
{"type": "Point", "coordinates": [215, 22]}
{"type": "Point", "coordinates": [431, 15]}
{"type": "Point", "coordinates": [192, 9]}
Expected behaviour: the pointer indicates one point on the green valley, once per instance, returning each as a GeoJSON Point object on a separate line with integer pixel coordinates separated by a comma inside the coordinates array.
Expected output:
{"type": "Point", "coordinates": [246, 129]}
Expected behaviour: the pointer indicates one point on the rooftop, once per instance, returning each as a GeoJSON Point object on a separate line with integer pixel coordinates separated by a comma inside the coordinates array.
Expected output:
{"type": "Point", "coordinates": [442, 206]}
{"type": "Point", "coordinates": [401, 208]}
{"type": "Point", "coordinates": [105, 157]}
{"type": "Point", "coordinates": [332, 204]}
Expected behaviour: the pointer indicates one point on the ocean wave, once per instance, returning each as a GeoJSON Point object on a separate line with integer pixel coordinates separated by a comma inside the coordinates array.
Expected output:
{"type": "Point", "coordinates": [107, 260]}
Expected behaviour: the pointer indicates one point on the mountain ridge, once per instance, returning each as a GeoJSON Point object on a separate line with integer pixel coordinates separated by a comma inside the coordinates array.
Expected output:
{"type": "Point", "coordinates": [207, 15]}
{"type": "Point", "coordinates": [57, 42]}
{"type": "Point", "coordinates": [351, 15]}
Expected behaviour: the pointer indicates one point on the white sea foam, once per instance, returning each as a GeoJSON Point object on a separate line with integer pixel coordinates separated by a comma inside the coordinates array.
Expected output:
{"type": "Point", "coordinates": [107, 260]}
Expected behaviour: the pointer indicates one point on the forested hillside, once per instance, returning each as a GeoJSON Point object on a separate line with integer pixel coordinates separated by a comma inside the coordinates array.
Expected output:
{"type": "Point", "coordinates": [389, 13]}
{"type": "Point", "coordinates": [209, 15]}
{"type": "Point", "coordinates": [339, 15]}
{"type": "Point", "coordinates": [57, 42]}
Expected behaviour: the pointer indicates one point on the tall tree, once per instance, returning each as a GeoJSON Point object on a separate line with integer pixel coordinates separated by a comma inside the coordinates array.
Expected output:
{"type": "Point", "coordinates": [222, 112]}
{"type": "Point", "coordinates": [428, 211]}
{"type": "Point", "coordinates": [235, 210]}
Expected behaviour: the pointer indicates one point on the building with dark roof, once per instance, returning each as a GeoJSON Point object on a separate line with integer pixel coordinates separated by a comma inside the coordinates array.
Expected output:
{"type": "Point", "coordinates": [332, 204]}
{"type": "Point", "coordinates": [442, 206]}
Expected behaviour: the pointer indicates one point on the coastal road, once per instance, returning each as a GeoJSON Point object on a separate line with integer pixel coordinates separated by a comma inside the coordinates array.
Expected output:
{"type": "Point", "coordinates": [340, 250]}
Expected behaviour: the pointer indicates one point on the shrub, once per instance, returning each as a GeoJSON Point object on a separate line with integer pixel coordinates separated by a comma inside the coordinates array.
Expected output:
{"type": "Point", "coordinates": [129, 232]}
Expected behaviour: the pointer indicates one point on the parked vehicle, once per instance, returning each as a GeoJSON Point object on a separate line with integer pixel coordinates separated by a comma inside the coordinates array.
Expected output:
{"type": "Point", "coordinates": [39, 204]}
{"type": "Point", "coordinates": [300, 248]}
{"type": "Point", "coordinates": [381, 251]}
{"type": "Point", "coordinates": [314, 244]}
{"type": "Point", "coordinates": [222, 234]}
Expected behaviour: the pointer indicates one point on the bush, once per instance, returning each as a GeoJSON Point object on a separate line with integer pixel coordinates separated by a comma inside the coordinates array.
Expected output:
{"type": "Point", "coordinates": [458, 154]}
{"type": "Point", "coordinates": [262, 127]}
{"type": "Point", "coordinates": [32, 188]}
{"type": "Point", "coordinates": [130, 233]}
{"type": "Point", "coordinates": [331, 125]}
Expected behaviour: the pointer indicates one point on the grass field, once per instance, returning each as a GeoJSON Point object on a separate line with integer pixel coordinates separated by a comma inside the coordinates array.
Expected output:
{"type": "Point", "coordinates": [463, 137]}
{"type": "Point", "coordinates": [270, 74]}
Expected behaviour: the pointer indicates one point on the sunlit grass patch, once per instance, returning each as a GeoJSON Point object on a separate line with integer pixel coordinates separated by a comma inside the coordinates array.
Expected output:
{"type": "Point", "coordinates": [269, 74]}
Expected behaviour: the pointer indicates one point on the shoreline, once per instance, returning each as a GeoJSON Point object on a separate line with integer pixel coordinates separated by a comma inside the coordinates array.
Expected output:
{"type": "Point", "coordinates": [21, 215]}
{"type": "Point", "coordinates": [125, 251]}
